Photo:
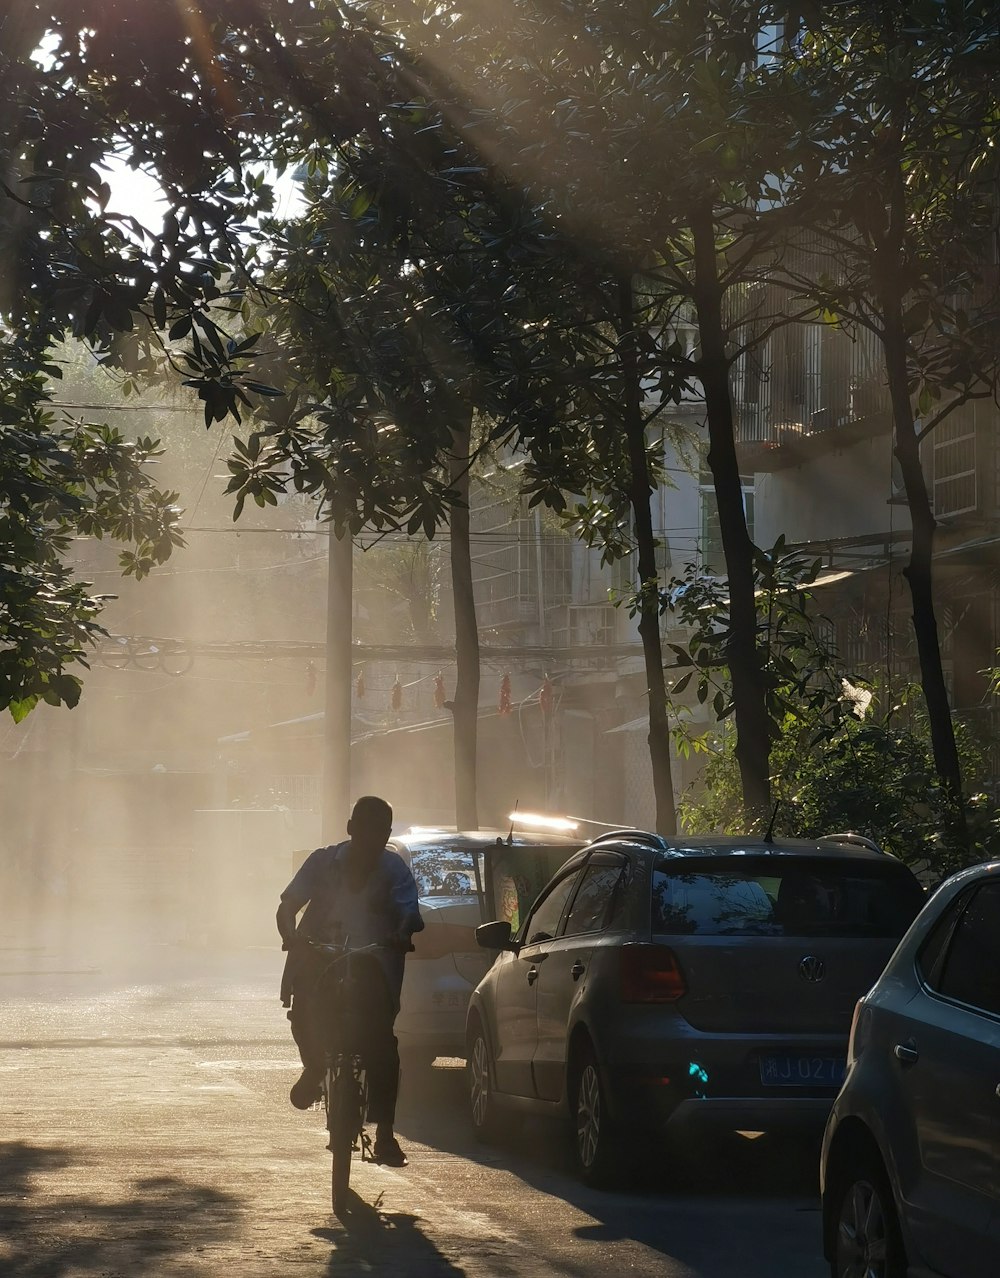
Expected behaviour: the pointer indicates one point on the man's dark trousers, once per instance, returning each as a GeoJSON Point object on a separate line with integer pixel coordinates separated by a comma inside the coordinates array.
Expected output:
{"type": "Point", "coordinates": [318, 1024]}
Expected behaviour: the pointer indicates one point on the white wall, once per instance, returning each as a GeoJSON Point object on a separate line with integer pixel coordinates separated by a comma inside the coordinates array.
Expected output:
{"type": "Point", "coordinates": [843, 493]}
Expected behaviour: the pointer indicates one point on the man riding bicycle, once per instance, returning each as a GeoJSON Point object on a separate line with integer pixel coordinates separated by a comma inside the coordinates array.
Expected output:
{"type": "Point", "coordinates": [356, 891]}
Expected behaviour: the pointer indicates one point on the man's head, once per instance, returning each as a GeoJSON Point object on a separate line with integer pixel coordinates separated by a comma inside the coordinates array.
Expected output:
{"type": "Point", "coordinates": [370, 824]}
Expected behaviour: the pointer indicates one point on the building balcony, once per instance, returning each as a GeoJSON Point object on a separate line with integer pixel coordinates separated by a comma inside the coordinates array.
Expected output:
{"type": "Point", "coordinates": [771, 437]}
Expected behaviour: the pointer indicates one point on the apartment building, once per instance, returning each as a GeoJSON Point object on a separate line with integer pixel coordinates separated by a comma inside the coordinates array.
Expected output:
{"type": "Point", "coordinates": [815, 432]}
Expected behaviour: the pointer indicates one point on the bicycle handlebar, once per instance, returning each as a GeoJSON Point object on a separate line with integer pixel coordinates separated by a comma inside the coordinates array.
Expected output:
{"type": "Point", "coordinates": [342, 951]}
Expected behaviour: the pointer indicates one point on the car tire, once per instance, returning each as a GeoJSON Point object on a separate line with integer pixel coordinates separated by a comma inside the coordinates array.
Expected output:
{"type": "Point", "coordinates": [479, 1074]}
{"type": "Point", "coordinates": [866, 1235]}
{"type": "Point", "coordinates": [597, 1138]}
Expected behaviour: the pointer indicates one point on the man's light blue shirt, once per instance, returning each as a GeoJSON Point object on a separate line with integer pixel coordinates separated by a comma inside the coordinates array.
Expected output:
{"type": "Point", "coordinates": [385, 907]}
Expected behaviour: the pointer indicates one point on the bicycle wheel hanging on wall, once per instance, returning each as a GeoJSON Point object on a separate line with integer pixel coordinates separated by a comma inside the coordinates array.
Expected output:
{"type": "Point", "coordinates": [115, 653]}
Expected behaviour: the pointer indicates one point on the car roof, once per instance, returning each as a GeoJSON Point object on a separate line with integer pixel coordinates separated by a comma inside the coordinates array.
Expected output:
{"type": "Point", "coordinates": [472, 840]}
{"type": "Point", "coordinates": [835, 847]}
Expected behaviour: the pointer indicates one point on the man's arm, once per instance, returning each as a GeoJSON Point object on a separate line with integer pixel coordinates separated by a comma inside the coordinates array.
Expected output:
{"type": "Point", "coordinates": [285, 919]}
{"type": "Point", "coordinates": [298, 893]}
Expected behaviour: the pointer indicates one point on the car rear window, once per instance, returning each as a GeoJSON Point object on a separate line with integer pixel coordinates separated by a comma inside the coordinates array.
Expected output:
{"type": "Point", "coordinates": [804, 897]}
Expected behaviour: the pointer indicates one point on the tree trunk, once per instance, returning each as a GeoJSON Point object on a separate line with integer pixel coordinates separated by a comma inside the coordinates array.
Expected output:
{"type": "Point", "coordinates": [918, 571]}
{"type": "Point", "coordinates": [336, 797]}
{"type": "Point", "coordinates": [753, 728]}
{"type": "Point", "coordinates": [465, 707]}
{"type": "Point", "coordinates": [640, 490]}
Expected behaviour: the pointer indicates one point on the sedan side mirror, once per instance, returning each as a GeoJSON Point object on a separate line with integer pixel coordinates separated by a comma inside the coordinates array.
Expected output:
{"type": "Point", "coordinates": [494, 936]}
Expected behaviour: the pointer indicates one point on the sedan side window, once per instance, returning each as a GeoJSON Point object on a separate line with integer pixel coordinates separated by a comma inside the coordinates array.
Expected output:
{"type": "Point", "coordinates": [593, 901]}
{"type": "Point", "coordinates": [930, 957]}
{"type": "Point", "coordinates": [970, 973]}
{"type": "Point", "coordinates": [544, 921]}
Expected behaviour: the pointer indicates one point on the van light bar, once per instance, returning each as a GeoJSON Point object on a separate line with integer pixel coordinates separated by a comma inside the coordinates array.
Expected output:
{"type": "Point", "coordinates": [541, 821]}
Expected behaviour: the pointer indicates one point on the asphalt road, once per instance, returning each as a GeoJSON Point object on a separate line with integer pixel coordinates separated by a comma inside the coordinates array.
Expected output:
{"type": "Point", "coordinates": [146, 1130]}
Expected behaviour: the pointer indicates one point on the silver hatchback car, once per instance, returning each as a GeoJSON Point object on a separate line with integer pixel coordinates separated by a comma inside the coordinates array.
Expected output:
{"type": "Point", "coordinates": [911, 1154]}
{"type": "Point", "coordinates": [657, 982]}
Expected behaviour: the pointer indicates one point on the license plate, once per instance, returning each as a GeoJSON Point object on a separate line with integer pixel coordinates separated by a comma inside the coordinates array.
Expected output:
{"type": "Point", "coordinates": [802, 1071]}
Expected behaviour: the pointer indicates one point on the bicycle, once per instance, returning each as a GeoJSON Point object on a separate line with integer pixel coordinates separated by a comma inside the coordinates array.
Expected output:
{"type": "Point", "coordinates": [345, 1089]}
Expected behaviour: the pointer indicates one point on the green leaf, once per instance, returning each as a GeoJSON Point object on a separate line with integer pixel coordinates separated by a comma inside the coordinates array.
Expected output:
{"type": "Point", "coordinates": [20, 710]}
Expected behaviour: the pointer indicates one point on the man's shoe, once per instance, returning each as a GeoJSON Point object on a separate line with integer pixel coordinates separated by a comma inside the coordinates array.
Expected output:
{"type": "Point", "coordinates": [307, 1090]}
{"type": "Point", "coordinates": [388, 1153]}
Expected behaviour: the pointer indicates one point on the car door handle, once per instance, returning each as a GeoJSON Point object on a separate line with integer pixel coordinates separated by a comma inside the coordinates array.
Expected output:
{"type": "Point", "coordinates": [577, 970]}
{"type": "Point", "coordinates": [532, 975]}
{"type": "Point", "coordinates": [906, 1052]}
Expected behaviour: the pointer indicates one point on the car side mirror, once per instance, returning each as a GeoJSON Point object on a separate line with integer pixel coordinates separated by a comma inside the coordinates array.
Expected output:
{"type": "Point", "coordinates": [494, 936]}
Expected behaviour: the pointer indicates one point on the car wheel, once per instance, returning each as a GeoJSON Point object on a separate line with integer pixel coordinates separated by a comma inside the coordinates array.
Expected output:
{"type": "Point", "coordinates": [867, 1242]}
{"type": "Point", "coordinates": [479, 1072]}
{"type": "Point", "coordinates": [598, 1140]}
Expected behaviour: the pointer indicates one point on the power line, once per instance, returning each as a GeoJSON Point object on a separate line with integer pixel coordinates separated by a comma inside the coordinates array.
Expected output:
{"type": "Point", "coordinates": [442, 534]}
{"type": "Point", "coordinates": [188, 572]}
{"type": "Point", "coordinates": [208, 474]}
{"type": "Point", "coordinates": [362, 652]}
{"type": "Point", "coordinates": [129, 408]}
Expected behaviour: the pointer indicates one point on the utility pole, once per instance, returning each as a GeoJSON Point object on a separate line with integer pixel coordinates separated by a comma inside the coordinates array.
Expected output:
{"type": "Point", "coordinates": [336, 772]}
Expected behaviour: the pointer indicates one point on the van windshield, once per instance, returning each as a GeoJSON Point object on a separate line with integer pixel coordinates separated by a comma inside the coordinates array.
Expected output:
{"type": "Point", "coordinates": [443, 872]}
{"type": "Point", "coordinates": [800, 897]}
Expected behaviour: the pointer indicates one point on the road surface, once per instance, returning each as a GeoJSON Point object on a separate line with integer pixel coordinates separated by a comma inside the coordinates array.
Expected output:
{"type": "Point", "coordinates": [147, 1131]}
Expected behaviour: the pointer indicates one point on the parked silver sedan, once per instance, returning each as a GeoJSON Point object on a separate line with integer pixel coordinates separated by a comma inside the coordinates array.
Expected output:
{"type": "Point", "coordinates": [461, 880]}
{"type": "Point", "coordinates": [911, 1154]}
{"type": "Point", "coordinates": [661, 982]}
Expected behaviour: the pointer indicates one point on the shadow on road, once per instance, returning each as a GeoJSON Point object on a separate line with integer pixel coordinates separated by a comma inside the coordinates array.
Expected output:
{"type": "Point", "coordinates": [376, 1241]}
{"type": "Point", "coordinates": [434, 1111]}
{"type": "Point", "coordinates": [49, 1228]}
{"type": "Point", "coordinates": [704, 1203]}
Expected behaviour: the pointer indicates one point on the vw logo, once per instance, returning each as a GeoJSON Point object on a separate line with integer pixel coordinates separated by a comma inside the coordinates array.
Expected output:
{"type": "Point", "coordinates": [812, 968]}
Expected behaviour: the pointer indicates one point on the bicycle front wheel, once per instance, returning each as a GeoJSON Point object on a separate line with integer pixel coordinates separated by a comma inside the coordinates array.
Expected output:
{"type": "Point", "coordinates": [345, 1107]}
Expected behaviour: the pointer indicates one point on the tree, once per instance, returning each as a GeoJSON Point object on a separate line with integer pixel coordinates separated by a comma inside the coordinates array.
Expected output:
{"type": "Point", "coordinates": [59, 481]}
{"type": "Point", "coordinates": [427, 308]}
{"type": "Point", "coordinates": [850, 753]}
{"type": "Point", "coordinates": [378, 419]}
{"type": "Point", "coordinates": [900, 158]}
{"type": "Point", "coordinates": [648, 140]}
{"type": "Point", "coordinates": [799, 667]}
{"type": "Point", "coordinates": [875, 774]}
{"type": "Point", "coordinates": [86, 82]}
{"type": "Point", "coordinates": [73, 265]}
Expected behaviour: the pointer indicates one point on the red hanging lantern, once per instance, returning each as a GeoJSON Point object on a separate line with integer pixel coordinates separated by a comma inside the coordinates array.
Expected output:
{"type": "Point", "coordinates": [396, 696]}
{"type": "Point", "coordinates": [359, 685]}
{"type": "Point", "coordinates": [545, 696]}
{"type": "Point", "coordinates": [503, 706]}
{"type": "Point", "coordinates": [439, 692]}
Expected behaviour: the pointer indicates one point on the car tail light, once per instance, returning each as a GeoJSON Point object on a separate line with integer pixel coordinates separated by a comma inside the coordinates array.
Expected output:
{"type": "Point", "coordinates": [650, 974]}
{"type": "Point", "coordinates": [859, 1028]}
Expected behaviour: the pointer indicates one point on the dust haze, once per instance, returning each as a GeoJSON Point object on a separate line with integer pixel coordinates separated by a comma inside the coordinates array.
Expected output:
{"type": "Point", "coordinates": [160, 819]}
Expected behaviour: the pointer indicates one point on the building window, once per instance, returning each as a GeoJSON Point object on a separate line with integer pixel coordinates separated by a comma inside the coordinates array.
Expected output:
{"type": "Point", "coordinates": [710, 545]}
{"type": "Point", "coordinates": [955, 468]}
